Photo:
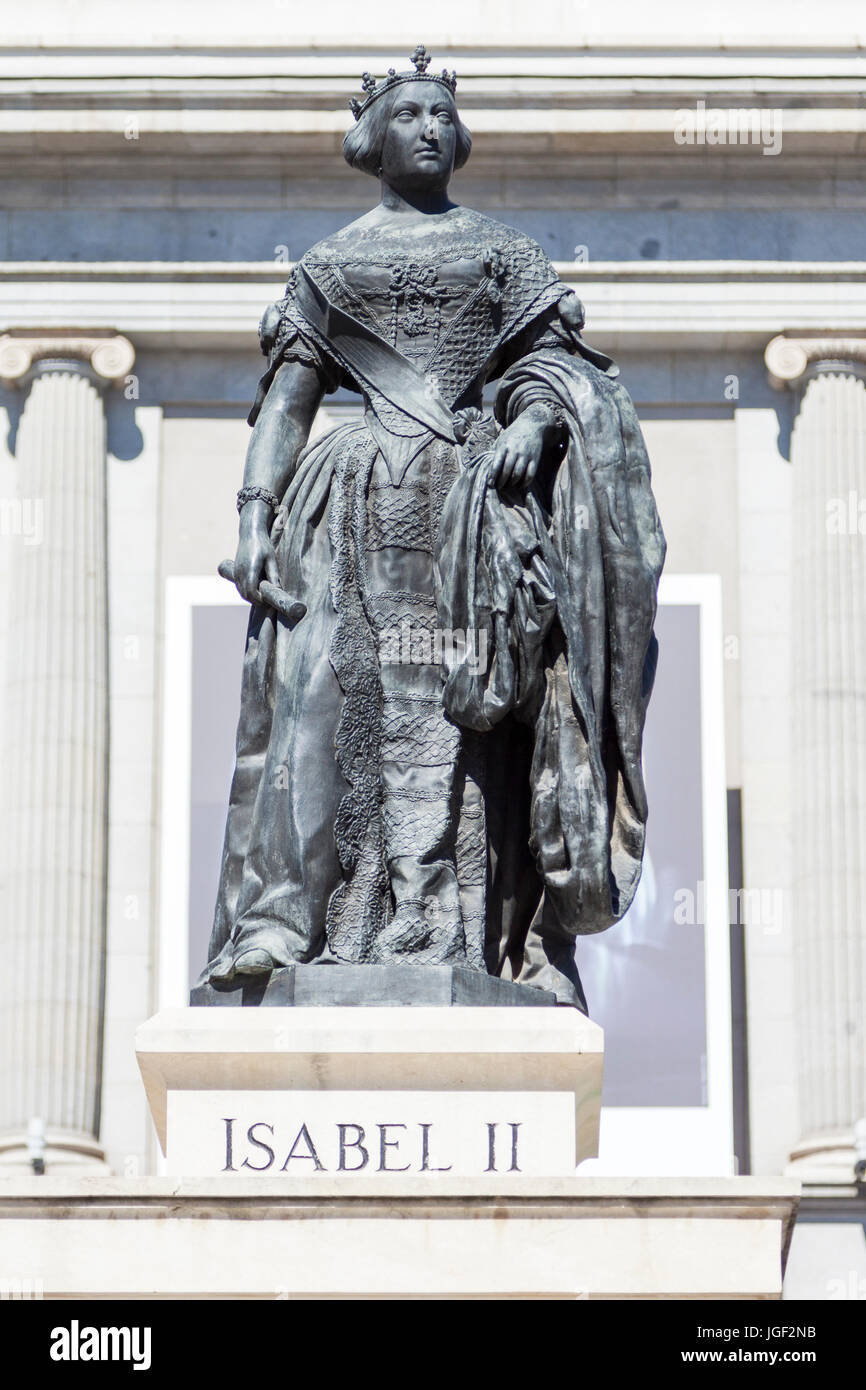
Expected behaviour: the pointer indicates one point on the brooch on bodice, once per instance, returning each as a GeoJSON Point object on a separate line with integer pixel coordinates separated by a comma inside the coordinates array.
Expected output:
{"type": "Point", "coordinates": [416, 294]}
{"type": "Point", "coordinates": [494, 269]}
{"type": "Point", "coordinates": [414, 285]}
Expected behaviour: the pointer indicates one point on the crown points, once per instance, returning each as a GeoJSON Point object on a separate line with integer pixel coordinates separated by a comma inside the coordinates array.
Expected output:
{"type": "Point", "coordinates": [421, 58]}
{"type": "Point", "coordinates": [421, 62]}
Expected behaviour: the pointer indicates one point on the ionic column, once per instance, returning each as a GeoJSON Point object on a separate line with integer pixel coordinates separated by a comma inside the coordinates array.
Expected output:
{"type": "Point", "coordinates": [828, 459]}
{"type": "Point", "coordinates": [53, 805]}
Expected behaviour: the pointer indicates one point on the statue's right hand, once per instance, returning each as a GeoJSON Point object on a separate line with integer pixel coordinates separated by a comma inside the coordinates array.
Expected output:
{"type": "Point", "coordinates": [256, 558]}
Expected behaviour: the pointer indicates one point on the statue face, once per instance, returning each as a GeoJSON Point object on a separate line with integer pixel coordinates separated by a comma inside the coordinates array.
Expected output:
{"type": "Point", "coordinates": [421, 138]}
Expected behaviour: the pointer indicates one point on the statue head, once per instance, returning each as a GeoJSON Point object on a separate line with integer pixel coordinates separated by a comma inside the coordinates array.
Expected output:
{"type": "Point", "coordinates": [407, 129]}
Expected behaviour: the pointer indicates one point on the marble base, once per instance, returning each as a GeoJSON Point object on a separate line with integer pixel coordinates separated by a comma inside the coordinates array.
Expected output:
{"type": "Point", "coordinates": [400, 1238]}
{"type": "Point", "coordinates": [428, 1090]}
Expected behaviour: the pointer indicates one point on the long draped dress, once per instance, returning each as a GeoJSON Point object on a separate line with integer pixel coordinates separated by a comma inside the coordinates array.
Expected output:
{"type": "Point", "coordinates": [441, 761]}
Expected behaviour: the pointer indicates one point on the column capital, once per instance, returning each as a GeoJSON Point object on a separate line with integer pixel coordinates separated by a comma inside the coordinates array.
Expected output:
{"type": "Point", "coordinates": [108, 354]}
{"type": "Point", "coordinates": [788, 359]}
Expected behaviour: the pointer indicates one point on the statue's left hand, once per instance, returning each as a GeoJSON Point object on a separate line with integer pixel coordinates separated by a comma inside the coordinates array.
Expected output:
{"type": "Point", "coordinates": [519, 451]}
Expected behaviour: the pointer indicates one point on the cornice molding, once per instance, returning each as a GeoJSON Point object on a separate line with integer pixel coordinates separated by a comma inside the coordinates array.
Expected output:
{"type": "Point", "coordinates": [126, 123]}
{"type": "Point", "coordinates": [682, 272]}
{"type": "Point", "coordinates": [630, 305]}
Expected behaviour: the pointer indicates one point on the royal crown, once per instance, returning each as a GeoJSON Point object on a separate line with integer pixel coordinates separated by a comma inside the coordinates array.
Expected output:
{"type": "Point", "coordinates": [421, 60]}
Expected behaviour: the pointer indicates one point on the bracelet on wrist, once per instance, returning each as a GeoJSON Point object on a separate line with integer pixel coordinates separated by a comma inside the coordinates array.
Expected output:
{"type": "Point", "coordinates": [555, 414]}
{"type": "Point", "coordinates": [258, 494]}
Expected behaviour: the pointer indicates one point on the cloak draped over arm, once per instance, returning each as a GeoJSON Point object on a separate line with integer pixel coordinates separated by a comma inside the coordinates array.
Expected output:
{"type": "Point", "coordinates": [560, 583]}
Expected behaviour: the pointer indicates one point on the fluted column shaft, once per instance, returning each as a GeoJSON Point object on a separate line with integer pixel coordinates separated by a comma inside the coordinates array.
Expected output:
{"type": "Point", "coordinates": [828, 459]}
{"type": "Point", "coordinates": [55, 796]}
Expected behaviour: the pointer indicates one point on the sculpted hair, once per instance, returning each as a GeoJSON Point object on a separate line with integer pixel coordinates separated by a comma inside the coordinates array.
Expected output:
{"type": "Point", "coordinates": [362, 147]}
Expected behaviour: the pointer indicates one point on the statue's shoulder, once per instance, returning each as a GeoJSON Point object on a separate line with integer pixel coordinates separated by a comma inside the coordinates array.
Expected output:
{"type": "Point", "coordinates": [343, 246]}
{"type": "Point", "coordinates": [516, 245]}
{"type": "Point", "coordinates": [478, 226]}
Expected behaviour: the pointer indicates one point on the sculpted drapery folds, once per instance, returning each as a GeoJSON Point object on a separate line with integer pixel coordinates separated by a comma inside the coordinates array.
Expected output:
{"type": "Point", "coordinates": [440, 761]}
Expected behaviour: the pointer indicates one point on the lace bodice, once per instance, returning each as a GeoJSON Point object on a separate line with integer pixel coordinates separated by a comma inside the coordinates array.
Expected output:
{"type": "Point", "coordinates": [459, 295]}
{"type": "Point", "coordinates": [412, 303]}
{"type": "Point", "coordinates": [446, 294]}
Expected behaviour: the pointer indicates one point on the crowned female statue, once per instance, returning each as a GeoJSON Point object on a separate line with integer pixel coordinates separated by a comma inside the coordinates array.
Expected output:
{"type": "Point", "coordinates": [451, 649]}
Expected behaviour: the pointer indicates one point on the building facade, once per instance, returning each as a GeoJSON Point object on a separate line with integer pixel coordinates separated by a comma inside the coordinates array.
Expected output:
{"type": "Point", "coordinates": [704, 193]}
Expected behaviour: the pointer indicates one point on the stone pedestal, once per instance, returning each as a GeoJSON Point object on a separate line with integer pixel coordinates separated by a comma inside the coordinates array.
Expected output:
{"type": "Point", "coordinates": [324, 1152]}
{"type": "Point", "coordinates": [400, 1237]}
{"type": "Point", "coordinates": [349, 1091]}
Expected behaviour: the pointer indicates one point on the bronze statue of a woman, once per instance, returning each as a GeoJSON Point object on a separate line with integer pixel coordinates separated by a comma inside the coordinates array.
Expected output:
{"type": "Point", "coordinates": [476, 801]}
